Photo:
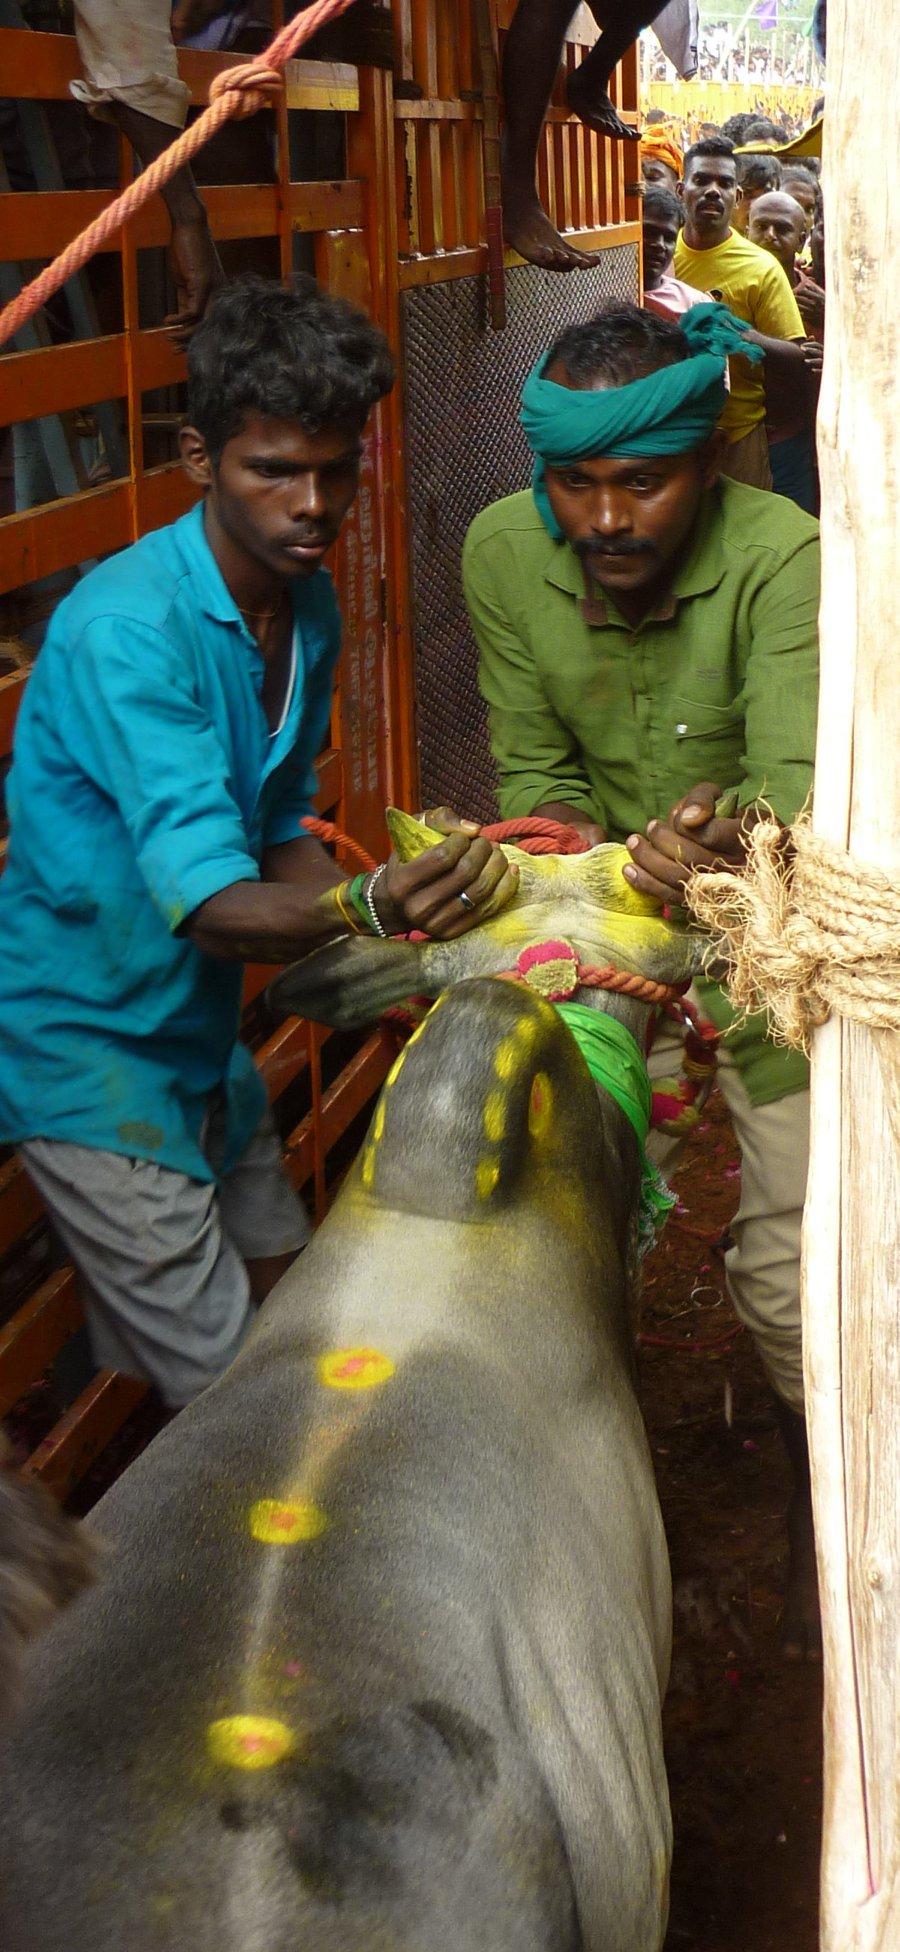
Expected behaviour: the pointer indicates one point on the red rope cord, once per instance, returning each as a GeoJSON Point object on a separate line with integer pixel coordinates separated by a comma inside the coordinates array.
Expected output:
{"type": "Point", "coordinates": [236, 92]}
{"type": "Point", "coordinates": [326, 830]}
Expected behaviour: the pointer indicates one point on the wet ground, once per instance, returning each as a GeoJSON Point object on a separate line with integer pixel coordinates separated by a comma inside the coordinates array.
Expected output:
{"type": "Point", "coordinates": [742, 1730]}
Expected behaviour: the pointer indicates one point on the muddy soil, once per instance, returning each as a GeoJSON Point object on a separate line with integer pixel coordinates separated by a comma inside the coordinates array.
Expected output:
{"type": "Point", "coordinates": [743, 1731]}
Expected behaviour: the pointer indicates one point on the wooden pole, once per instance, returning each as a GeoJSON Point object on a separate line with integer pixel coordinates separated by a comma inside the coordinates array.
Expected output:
{"type": "Point", "coordinates": [852, 1228]}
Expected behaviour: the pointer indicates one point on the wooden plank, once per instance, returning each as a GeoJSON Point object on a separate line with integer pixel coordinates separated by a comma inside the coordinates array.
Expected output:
{"type": "Point", "coordinates": [37, 1332]}
{"type": "Point", "coordinates": [238, 210]}
{"type": "Point", "coordinates": [39, 67]}
{"type": "Point", "coordinates": [54, 535]}
{"type": "Point", "coordinates": [69, 1449]}
{"type": "Point", "coordinates": [341, 1103]}
{"type": "Point", "coordinates": [283, 1056]}
{"type": "Point", "coordinates": [435, 269]}
{"type": "Point", "coordinates": [431, 109]}
{"type": "Point", "coordinates": [851, 1229]}
{"type": "Point", "coordinates": [20, 1205]}
{"type": "Point", "coordinates": [12, 691]}
{"type": "Point", "coordinates": [54, 378]}
{"type": "Point", "coordinates": [325, 206]}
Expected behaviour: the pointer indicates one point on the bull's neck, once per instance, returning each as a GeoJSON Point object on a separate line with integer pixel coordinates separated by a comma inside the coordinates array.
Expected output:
{"type": "Point", "coordinates": [627, 1010]}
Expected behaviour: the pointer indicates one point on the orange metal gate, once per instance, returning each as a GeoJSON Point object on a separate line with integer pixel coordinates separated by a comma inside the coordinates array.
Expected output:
{"type": "Point", "coordinates": [401, 97]}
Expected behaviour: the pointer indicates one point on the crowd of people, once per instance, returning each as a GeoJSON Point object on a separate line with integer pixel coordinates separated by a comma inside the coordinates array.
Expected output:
{"type": "Point", "coordinates": [733, 218]}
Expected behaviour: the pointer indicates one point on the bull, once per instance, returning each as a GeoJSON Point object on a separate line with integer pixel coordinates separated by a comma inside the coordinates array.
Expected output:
{"type": "Point", "coordinates": [377, 1660]}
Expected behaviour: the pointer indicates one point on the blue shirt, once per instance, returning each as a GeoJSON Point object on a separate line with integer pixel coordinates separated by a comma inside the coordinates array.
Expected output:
{"type": "Point", "coordinates": [145, 779]}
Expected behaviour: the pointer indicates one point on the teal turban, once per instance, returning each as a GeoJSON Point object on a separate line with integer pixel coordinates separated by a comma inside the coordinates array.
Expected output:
{"type": "Point", "coordinates": [671, 411]}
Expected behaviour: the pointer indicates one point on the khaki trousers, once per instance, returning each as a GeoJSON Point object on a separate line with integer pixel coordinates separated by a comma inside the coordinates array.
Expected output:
{"type": "Point", "coordinates": [748, 460]}
{"type": "Point", "coordinates": [763, 1266]}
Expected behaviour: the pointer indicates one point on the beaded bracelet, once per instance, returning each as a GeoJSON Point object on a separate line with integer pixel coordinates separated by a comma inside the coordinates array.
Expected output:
{"type": "Point", "coordinates": [377, 925]}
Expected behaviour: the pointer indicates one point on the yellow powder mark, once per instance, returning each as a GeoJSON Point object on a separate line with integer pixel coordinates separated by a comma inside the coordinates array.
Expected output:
{"type": "Point", "coordinates": [378, 1127]}
{"type": "Point", "coordinates": [354, 1369]}
{"type": "Point", "coordinates": [249, 1741]}
{"type": "Point", "coordinates": [494, 1116]}
{"type": "Point", "coordinates": [487, 1173]}
{"type": "Point", "coordinates": [396, 1067]}
{"type": "Point", "coordinates": [368, 1171]}
{"type": "Point", "coordinates": [292, 1522]}
{"type": "Point", "coordinates": [540, 1105]}
{"type": "Point", "coordinates": [525, 1034]}
{"type": "Point", "coordinates": [507, 1059]}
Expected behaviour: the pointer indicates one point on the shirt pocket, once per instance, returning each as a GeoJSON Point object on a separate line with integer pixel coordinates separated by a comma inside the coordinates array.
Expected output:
{"type": "Point", "coordinates": [707, 743]}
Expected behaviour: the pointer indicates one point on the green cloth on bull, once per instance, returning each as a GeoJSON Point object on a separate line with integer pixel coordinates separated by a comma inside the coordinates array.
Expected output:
{"type": "Point", "coordinates": [671, 411]}
{"type": "Point", "coordinates": [616, 1063]}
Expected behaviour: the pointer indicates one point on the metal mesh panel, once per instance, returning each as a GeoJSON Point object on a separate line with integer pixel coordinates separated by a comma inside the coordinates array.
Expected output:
{"type": "Point", "coordinates": [465, 449]}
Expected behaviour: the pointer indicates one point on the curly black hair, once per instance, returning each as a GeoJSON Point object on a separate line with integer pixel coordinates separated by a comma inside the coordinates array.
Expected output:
{"type": "Point", "coordinates": [621, 344]}
{"type": "Point", "coordinates": [295, 354]}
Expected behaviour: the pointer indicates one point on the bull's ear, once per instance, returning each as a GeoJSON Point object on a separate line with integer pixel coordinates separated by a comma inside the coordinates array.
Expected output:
{"type": "Point", "coordinates": [348, 982]}
{"type": "Point", "coordinates": [410, 837]}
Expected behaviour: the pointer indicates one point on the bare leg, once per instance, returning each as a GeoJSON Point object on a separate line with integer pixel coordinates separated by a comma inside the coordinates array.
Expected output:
{"type": "Point", "coordinates": [530, 60]}
{"type": "Point", "coordinates": [801, 1630]}
{"type": "Point", "coordinates": [587, 89]}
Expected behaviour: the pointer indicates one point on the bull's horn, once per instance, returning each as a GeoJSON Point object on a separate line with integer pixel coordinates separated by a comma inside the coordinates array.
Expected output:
{"type": "Point", "coordinates": [410, 837]}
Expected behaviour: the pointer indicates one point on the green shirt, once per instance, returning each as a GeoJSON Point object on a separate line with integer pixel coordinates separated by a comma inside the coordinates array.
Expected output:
{"type": "Point", "coordinates": [720, 683]}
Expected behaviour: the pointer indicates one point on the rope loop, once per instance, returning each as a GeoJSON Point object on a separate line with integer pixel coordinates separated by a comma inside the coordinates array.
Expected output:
{"type": "Point", "coordinates": [252, 87]}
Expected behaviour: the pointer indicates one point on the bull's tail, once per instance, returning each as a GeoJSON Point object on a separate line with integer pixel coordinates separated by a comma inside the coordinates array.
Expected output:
{"type": "Point", "coordinates": [45, 1559]}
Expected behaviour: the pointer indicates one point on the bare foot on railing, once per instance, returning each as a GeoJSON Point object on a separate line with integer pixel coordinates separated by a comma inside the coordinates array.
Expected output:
{"type": "Point", "coordinates": [595, 109]}
{"type": "Point", "coordinates": [528, 230]}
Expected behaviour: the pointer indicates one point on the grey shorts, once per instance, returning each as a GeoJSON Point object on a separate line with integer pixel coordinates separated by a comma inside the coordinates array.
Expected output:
{"type": "Point", "coordinates": [163, 1257]}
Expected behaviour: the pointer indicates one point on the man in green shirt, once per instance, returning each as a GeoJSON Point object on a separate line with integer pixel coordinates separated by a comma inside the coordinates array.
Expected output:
{"type": "Point", "coordinates": [647, 638]}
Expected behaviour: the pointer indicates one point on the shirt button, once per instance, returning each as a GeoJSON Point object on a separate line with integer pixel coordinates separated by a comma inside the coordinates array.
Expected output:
{"type": "Point", "coordinates": [681, 730]}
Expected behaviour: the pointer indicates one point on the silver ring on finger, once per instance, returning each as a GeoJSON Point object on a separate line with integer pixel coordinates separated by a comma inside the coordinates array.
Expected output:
{"type": "Point", "coordinates": [467, 902]}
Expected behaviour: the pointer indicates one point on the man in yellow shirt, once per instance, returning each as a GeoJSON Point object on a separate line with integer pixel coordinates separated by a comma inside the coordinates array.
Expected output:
{"type": "Point", "coordinates": [717, 259]}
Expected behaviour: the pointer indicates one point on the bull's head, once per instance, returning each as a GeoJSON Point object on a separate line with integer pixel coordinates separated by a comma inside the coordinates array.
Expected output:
{"type": "Point", "coordinates": [581, 900]}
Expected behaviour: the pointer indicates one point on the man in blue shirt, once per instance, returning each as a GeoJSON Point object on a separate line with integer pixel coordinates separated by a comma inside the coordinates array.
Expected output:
{"type": "Point", "coordinates": [163, 762]}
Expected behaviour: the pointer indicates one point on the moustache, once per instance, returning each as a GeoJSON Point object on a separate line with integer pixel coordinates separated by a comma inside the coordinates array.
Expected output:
{"type": "Point", "coordinates": [586, 548]}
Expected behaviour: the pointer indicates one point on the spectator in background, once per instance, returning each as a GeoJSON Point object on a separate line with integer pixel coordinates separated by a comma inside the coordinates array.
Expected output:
{"type": "Point", "coordinates": [801, 184]}
{"type": "Point", "coordinates": [131, 78]}
{"type": "Point", "coordinates": [735, 129]}
{"type": "Point", "coordinates": [778, 225]}
{"type": "Point", "coordinates": [757, 175]}
{"type": "Point", "coordinates": [669, 297]}
{"type": "Point", "coordinates": [660, 157]}
{"type": "Point", "coordinates": [711, 255]}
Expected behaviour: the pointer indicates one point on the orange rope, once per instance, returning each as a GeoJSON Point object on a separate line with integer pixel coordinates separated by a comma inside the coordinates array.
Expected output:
{"type": "Point", "coordinates": [326, 830]}
{"type": "Point", "coordinates": [233, 94]}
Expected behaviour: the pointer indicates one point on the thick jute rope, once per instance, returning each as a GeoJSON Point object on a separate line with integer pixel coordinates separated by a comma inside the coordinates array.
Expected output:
{"type": "Point", "coordinates": [805, 931]}
{"type": "Point", "coordinates": [235, 93]}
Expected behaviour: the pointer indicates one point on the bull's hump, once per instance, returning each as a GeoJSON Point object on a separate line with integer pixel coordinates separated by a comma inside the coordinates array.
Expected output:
{"type": "Point", "coordinates": [488, 1097]}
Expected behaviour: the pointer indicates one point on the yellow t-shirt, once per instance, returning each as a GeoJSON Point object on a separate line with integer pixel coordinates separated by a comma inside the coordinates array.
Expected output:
{"type": "Point", "coordinates": [753, 284]}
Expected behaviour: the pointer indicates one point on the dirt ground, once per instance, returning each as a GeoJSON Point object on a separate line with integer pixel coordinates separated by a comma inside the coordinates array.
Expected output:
{"type": "Point", "coordinates": [742, 1729]}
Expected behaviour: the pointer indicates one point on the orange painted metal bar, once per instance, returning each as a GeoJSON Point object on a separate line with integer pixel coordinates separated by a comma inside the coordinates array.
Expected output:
{"type": "Point", "coordinates": [69, 1450]}
{"type": "Point", "coordinates": [37, 1332]}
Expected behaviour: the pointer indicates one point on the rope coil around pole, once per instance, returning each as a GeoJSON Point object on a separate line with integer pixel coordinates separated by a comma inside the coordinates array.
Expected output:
{"type": "Point", "coordinates": [805, 931]}
{"type": "Point", "coordinates": [237, 92]}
